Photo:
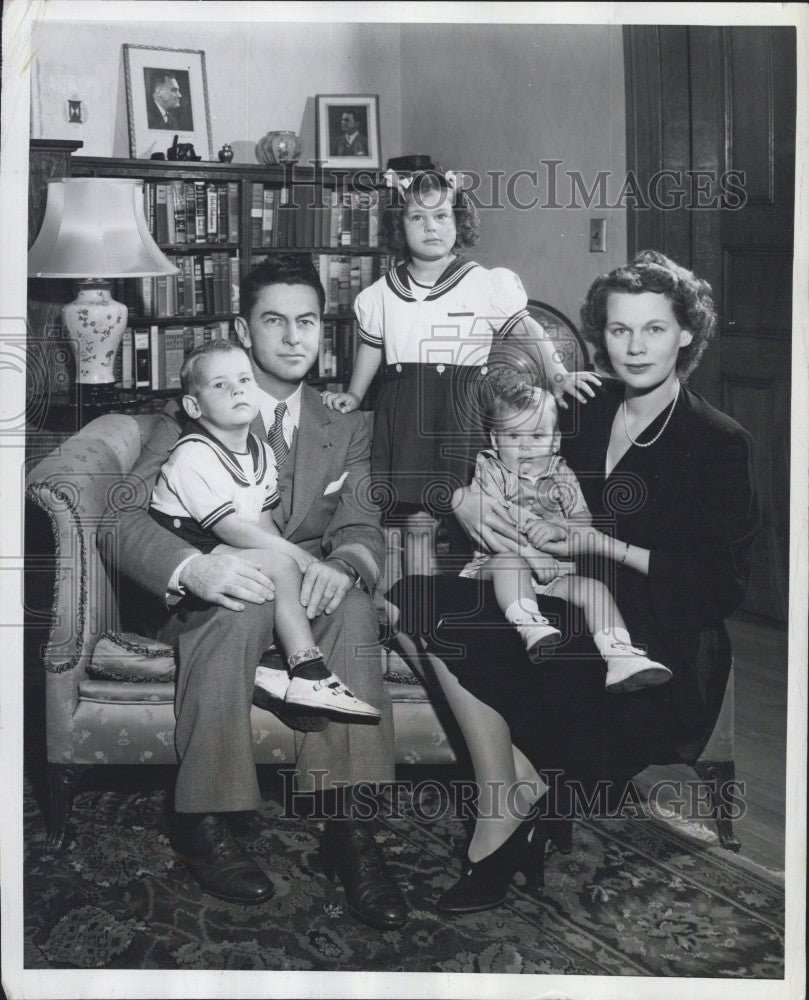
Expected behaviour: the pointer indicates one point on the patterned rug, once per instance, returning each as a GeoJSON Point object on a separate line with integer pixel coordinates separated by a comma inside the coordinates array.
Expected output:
{"type": "Point", "coordinates": [634, 898]}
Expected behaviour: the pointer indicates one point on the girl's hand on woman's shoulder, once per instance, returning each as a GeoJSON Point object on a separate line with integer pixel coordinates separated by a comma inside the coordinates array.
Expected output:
{"type": "Point", "coordinates": [578, 384]}
{"type": "Point", "coordinates": [343, 402]}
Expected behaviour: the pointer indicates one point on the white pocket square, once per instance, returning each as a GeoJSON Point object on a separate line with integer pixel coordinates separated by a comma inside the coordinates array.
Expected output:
{"type": "Point", "coordinates": [335, 486]}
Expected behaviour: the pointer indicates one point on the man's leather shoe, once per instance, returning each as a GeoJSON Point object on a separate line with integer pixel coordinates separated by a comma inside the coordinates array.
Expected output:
{"type": "Point", "coordinates": [350, 852]}
{"type": "Point", "coordinates": [208, 849]}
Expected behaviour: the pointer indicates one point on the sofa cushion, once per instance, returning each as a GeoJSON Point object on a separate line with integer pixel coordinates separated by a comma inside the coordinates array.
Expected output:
{"type": "Point", "coordinates": [124, 656]}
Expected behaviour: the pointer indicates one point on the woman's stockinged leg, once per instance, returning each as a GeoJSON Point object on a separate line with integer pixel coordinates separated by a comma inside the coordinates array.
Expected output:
{"type": "Point", "coordinates": [507, 782]}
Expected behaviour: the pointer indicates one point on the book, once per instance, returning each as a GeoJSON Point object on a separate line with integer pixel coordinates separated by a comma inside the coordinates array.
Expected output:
{"type": "Point", "coordinates": [200, 212]}
{"type": "Point", "coordinates": [208, 285]}
{"type": "Point", "coordinates": [140, 337]}
{"type": "Point", "coordinates": [212, 212]}
{"type": "Point", "coordinates": [157, 359]}
{"type": "Point", "coordinates": [177, 209]}
{"type": "Point", "coordinates": [222, 207]}
{"type": "Point", "coordinates": [235, 279]}
{"type": "Point", "coordinates": [233, 212]}
{"type": "Point", "coordinates": [127, 360]}
{"type": "Point", "coordinates": [267, 215]}
{"type": "Point", "coordinates": [256, 215]}
{"type": "Point", "coordinates": [161, 213]}
{"type": "Point", "coordinates": [199, 288]}
{"type": "Point", "coordinates": [173, 356]}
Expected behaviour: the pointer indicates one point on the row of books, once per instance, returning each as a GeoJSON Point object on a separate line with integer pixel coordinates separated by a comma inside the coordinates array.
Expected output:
{"type": "Point", "coordinates": [287, 217]}
{"type": "Point", "coordinates": [344, 278]}
{"type": "Point", "coordinates": [192, 211]}
{"type": "Point", "coordinates": [150, 357]}
{"type": "Point", "coordinates": [207, 285]}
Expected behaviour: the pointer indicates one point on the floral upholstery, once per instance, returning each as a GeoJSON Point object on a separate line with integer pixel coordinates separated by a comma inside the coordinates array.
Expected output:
{"type": "Point", "coordinates": [110, 695]}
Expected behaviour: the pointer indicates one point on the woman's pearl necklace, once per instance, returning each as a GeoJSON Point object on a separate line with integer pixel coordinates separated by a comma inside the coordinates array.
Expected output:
{"type": "Point", "coordinates": [648, 444]}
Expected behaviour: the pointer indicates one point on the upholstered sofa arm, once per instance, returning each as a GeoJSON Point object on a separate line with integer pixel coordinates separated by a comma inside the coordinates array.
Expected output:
{"type": "Point", "coordinates": [73, 485]}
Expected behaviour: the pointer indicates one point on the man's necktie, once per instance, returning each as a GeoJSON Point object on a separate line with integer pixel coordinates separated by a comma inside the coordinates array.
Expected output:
{"type": "Point", "coordinates": [276, 435]}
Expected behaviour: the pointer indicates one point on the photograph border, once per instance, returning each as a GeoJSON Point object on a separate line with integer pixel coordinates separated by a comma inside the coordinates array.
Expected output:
{"type": "Point", "coordinates": [144, 141]}
{"type": "Point", "coordinates": [323, 102]}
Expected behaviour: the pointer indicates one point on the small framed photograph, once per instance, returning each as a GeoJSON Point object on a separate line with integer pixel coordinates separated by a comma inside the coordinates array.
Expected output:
{"type": "Point", "coordinates": [347, 127]}
{"type": "Point", "coordinates": [166, 95]}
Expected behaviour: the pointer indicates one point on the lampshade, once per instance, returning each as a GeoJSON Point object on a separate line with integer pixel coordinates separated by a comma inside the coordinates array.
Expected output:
{"type": "Point", "coordinates": [95, 227]}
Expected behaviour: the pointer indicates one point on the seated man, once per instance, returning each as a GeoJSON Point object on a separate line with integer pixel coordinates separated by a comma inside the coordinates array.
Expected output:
{"type": "Point", "coordinates": [217, 609]}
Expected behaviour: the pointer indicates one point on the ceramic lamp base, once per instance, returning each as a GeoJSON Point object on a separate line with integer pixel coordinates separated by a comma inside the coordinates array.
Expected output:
{"type": "Point", "coordinates": [95, 324]}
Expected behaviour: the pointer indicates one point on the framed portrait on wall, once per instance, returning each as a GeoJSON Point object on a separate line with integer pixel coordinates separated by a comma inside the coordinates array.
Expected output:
{"type": "Point", "coordinates": [347, 130]}
{"type": "Point", "coordinates": [166, 95]}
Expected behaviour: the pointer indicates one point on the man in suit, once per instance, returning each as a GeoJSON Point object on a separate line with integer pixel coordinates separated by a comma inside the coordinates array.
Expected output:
{"type": "Point", "coordinates": [163, 102]}
{"type": "Point", "coordinates": [217, 610]}
{"type": "Point", "coordinates": [351, 142]}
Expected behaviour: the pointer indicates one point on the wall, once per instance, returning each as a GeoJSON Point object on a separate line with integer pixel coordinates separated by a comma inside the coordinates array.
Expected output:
{"type": "Point", "coordinates": [504, 97]}
{"type": "Point", "coordinates": [477, 97]}
{"type": "Point", "coordinates": [260, 77]}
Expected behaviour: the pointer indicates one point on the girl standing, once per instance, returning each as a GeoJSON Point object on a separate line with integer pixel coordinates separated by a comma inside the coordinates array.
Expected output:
{"type": "Point", "coordinates": [436, 316]}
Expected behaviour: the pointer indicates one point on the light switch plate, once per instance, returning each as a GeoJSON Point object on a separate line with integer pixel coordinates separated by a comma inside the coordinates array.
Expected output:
{"type": "Point", "coordinates": [598, 235]}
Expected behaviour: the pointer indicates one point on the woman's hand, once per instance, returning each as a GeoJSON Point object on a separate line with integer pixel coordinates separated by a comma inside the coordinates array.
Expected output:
{"type": "Point", "coordinates": [576, 384]}
{"type": "Point", "coordinates": [582, 539]}
{"type": "Point", "coordinates": [539, 531]}
{"type": "Point", "coordinates": [486, 520]}
{"type": "Point", "coordinates": [343, 402]}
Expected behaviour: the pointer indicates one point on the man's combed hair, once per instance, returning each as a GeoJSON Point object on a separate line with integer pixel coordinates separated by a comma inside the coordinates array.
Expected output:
{"type": "Point", "coordinates": [188, 373]}
{"type": "Point", "coordinates": [691, 301]}
{"type": "Point", "coordinates": [391, 229]}
{"type": "Point", "coordinates": [280, 269]}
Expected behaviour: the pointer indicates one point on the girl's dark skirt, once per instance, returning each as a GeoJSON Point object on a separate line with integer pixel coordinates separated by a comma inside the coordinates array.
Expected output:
{"type": "Point", "coordinates": [428, 430]}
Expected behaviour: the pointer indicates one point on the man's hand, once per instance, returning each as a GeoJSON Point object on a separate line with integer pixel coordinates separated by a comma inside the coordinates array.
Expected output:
{"type": "Point", "coordinates": [323, 588]}
{"type": "Point", "coordinates": [487, 521]}
{"type": "Point", "coordinates": [226, 580]}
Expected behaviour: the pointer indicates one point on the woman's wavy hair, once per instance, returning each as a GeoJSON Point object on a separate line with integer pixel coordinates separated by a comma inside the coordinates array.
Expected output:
{"type": "Point", "coordinates": [391, 229]}
{"type": "Point", "coordinates": [691, 300]}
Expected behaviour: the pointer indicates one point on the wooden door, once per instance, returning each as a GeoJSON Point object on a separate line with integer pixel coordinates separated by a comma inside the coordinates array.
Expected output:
{"type": "Point", "coordinates": [718, 105]}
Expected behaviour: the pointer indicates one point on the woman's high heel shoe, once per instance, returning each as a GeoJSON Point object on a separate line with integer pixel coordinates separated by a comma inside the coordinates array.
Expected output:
{"type": "Point", "coordinates": [485, 883]}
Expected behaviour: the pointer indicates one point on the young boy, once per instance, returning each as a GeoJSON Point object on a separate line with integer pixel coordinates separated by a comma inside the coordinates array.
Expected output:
{"type": "Point", "coordinates": [525, 471]}
{"type": "Point", "coordinates": [216, 490]}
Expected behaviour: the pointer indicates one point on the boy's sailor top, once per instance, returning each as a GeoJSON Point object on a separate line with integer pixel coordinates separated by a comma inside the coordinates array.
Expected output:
{"type": "Point", "coordinates": [203, 481]}
{"type": "Point", "coordinates": [453, 322]}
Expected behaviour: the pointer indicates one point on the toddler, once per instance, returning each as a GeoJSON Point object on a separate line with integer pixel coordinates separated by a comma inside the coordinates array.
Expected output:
{"type": "Point", "coordinates": [216, 490]}
{"type": "Point", "coordinates": [525, 471]}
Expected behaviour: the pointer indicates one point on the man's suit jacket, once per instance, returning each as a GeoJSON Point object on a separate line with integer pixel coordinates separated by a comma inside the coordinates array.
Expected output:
{"type": "Point", "coordinates": [357, 147]}
{"type": "Point", "coordinates": [325, 505]}
{"type": "Point", "coordinates": [155, 120]}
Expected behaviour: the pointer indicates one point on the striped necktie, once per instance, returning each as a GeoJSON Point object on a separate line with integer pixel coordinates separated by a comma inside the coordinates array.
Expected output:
{"type": "Point", "coordinates": [276, 437]}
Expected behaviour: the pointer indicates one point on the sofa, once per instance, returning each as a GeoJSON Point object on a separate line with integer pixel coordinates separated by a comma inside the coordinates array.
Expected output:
{"type": "Point", "coordinates": [109, 694]}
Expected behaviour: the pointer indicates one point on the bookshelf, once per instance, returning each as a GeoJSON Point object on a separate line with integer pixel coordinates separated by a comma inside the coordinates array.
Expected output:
{"type": "Point", "coordinates": [214, 221]}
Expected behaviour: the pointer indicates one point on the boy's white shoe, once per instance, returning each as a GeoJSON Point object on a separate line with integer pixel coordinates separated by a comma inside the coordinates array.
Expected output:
{"type": "Point", "coordinates": [273, 682]}
{"type": "Point", "coordinates": [538, 635]}
{"type": "Point", "coordinates": [328, 695]}
{"type": "Point", "coordinates": [630, 669]}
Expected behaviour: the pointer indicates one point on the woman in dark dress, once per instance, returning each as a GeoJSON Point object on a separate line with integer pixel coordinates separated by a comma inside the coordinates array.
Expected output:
{"type": "Point", "coordinates": [670, 484]}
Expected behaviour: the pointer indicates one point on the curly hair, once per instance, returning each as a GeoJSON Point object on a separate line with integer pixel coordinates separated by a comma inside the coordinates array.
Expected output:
{"type": "Point", "coordinates": [391, 229]}
{"type": "Point", "coordinates": [691, 301]}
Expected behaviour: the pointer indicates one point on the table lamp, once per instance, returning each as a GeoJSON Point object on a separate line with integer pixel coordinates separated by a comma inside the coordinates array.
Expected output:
{"type": "Point", "coordinates": [95, 230]}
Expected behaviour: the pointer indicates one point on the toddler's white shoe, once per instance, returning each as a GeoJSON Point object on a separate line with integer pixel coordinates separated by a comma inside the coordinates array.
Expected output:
{"type": "Point", "coordinates": [630, 669]}
{"type": "Point", "coordinates": [539, 637]}
{"type": "Point", "coordinates": [272, 682]}
{"type": "Point", "coordinates": [328, 695]}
